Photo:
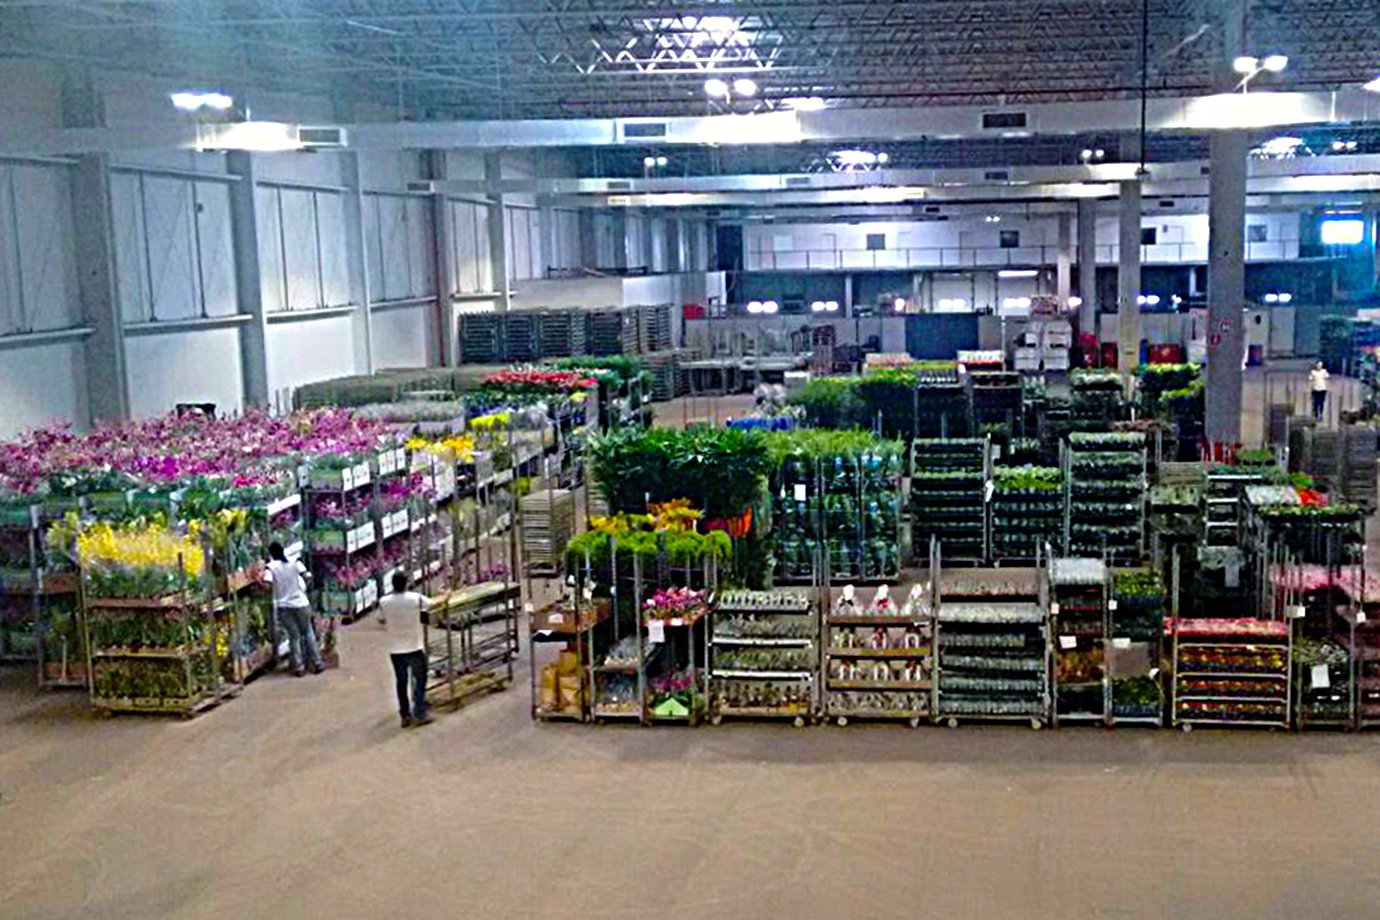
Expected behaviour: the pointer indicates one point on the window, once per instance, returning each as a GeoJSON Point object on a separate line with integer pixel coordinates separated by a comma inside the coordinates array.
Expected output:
{"type": "Point", "coordinates": [1149, 236]}
{"type": "Point", "coordinates": [1010, 239]}
{"type": "Point", "coordinates": [876, 241]}
{"type": "Point", "coordinates": [1257, 233]}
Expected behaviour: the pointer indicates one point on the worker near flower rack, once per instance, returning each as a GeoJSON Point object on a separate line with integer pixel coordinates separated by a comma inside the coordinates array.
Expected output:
{"type": "Point", "coordinates": [403, 615]}
{"type": "Point", "coordinates": [294, 610]}
{"type": "Point", "coordinates": [1317, 383]}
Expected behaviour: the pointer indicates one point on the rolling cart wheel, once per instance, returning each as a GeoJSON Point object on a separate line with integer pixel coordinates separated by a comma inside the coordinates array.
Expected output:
{"type": "Point", "coordinates": [914, 721]}
{"type": "Point", "coordinates": [716, 719]}
{"type": "Point", "coordinates": [841, 721]}
{"type": "Point", "coordinates": [1036, 724]}
{"type": "Point", "coordinates": [799, 722]}
{"type": "Point", "coordinates": [952, 723]}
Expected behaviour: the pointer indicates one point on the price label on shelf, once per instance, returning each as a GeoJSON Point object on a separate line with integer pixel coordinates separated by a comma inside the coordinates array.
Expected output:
{"type": "Point", "coordinates": [1068, 642]}
{"type": "Point", "coordinates": [1360, 617]}
{"type": "Point", "coordinates": [1298, 611]}
{"type": "Point", "coordinates": [1121, 642]}
{"type": "Point", "coordinates": [1111, 604]}
{"type": "Point", "coordinates": [1319, 678]}
{"type": "Point", "coordinates": [656, 631]}
{"type": "Point", "coordinates": [800, 491]}
{"type": "Point", "coordinates": [1054, 610]}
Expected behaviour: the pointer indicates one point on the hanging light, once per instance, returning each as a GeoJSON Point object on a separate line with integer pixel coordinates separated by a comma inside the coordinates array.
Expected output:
{"type": "Point", "coordinates": [745, 87]}
{"type": "Point", "coordinates": [716, 87]}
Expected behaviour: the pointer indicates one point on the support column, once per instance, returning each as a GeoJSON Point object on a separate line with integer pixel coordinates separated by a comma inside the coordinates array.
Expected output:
{"type": "Point", "coordinates": [107, 378]}
{"type": "Point", "coordinates": [1226, 284]}
{"type": "Point", "coordinates": [1087, 265]}
{"type": "Point", "coordinates": [357, 264]}
{"type": "Point", "coordinates": [620, 240]}
{"type": "Point", "coordinates": [546, 214]}
{"type": "Point", "coordinates": [675, 247]}
{"type": "Point", "coordinates": [648, 242]}
{"type": "Point", "coordinates": [498, 238]}
{"type": "Point", "coordinates": [1063, 269]}
{"type": "Point", "coordinates": [244, 230]}
{"type": "Point", "coordinates": [589, 240]}
{"type": "Point", "coordinates": [1128, 280]}
{"type": "Point", "coordinates": [443, 346]}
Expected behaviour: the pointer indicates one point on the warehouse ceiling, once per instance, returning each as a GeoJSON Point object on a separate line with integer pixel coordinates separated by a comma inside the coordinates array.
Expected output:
{"type": "Point", "coordinates": [520, 59]}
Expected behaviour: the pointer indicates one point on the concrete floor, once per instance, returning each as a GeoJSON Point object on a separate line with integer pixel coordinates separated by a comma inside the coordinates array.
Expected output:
{"type": "Point", "coordinates": [303, 798]}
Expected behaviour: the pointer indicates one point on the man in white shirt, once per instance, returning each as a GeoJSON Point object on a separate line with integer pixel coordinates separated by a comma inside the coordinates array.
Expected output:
{"type": "Point", "coordinates": [403, 615]}
{"type": "Point", "coordinates": [1317, 383]}
{"type": "Point", "coordinates": [294, 609]}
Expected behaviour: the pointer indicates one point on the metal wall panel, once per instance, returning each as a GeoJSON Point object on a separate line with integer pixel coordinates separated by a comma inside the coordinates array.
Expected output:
{"type": "Point", "coordinates": [170, 248]}
{"type": "Point", "coordinates": [421, 248]}
{"type": "Point", "coordinates": [219, 292]}
{"type": "Point", "coordinates": [270, 250]}
{"type": "Point", "coordinates": [301, 248]}
{"type": "Point", "coordinates": [335, 270]}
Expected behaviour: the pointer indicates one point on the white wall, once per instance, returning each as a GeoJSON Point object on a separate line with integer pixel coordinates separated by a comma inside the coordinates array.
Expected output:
{"type": "Point", "coordinates": [38, 270]}
{"type": "Point", "coordinates": [176, 367]}
{"type": "Point", "coordinates": [304, 351]}
{"type": "Point", "coordinates": [400, 244]}
{"type": "Point", "coordinates": [470, 257]}
{"type": "Point", "coordinates": [402, 336]}
{"type": "Point", "coordinates": [42, 384]}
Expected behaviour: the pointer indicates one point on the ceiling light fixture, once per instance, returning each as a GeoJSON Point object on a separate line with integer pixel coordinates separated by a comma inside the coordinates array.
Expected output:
{"type": "Point", "coordinates": [1018, 273]}
{"type": "Point", "coordinates": [1075, 301]}
{"type": "Point", "coordinates": [1373, 86]}
{"type": "Point", "coordinates": [745, 87]}
{"type": "Point", "coordinates": [804, 103]}
{"type": "Point", "coordinates": [716, 88]}
{"type": "Point", "coordinates": [1245, 64]}
{"type": "Point", "coordinates": [662, 161]}
{"type": "Point", "coordinates": [193, 102]}
{"type": "Point", "coordinates": [754, 306]}
{"type": "Point", "coordinates": [899, 304]}
{"type": "Point", "coordinates": [1275, 63]}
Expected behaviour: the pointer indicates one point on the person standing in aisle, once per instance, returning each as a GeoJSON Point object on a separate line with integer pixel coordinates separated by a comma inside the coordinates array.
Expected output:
{"type": "Point", "coordinates": [1317, 383]}
{"type": "Point", "coordinates": [294, 610]}
{"type": "Point", "coordinates": [403, 615]}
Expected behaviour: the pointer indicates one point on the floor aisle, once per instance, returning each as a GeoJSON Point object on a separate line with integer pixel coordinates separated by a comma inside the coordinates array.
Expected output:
{"type": "Point", "coordinates": [305, 799]}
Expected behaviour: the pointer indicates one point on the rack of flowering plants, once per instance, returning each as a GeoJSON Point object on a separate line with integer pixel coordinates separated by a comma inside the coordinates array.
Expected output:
{"type": "Point", "coordinates": [38, 598]}
{"type": "Point", "coordinates": [342, 541]}
{"type": "Point", "coordinates": [1135, 616]}
{"type": "Point", "coordinates": [155, 654]}
{"type": "Point", "coordinates": [764, 656]}
{"type": "Point", "coordinates": [1104, 476]}
{"type": "Point", "coordinates": [1231, 672]}
{"type": "Point", "coordinates": [673, 648]}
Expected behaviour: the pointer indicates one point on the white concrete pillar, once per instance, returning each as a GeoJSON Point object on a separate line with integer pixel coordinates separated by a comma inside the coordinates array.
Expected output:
{"type": "Point", "coordinates": [1087, 265]}
{"type": "Point", "coordinates": [357, 264]}
{"type": "Point", "coordinates": [244, 229]}
{"type": "Point", "coordinates": [1063, 268]}
{"type": "Point", "coordinates": [498, 237]}
{"type": "Point", "coordinates": [1128, 279]}
{"type": "Point", "coordinates": [442, 336]}
{"type": "Point", "coordinates": [1226, 284]}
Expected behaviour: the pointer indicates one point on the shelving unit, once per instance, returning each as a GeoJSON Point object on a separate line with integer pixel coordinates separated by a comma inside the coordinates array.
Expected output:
{"type": "Point", "coordinates": [1135, 615]}
{"type": "Point", "coordinates": [1026, 512]}
{"type": "Point", "coordinates": [1095, 399]}
{"type": "Point", "coordinates": [341, 537]}
{"type": "Point", "coordinates": [1105, 495]}
{"type": "Point", "coordinates": [472, 641]}
{"type": "Point", "coordinates": [548, 521]}
{"type": "Point", "coordinates": [994, 656]}
{"type": "Point", "coordinates": [560, 690]}
{"type": "Point", "coordinates": [879, 658]}
{"type": "Point", "coordinates": [136, 646]}
{"type": "Point", "coordinates": [947, 496]}
{"type": "Point", "coordinates": [39, 622]}
{"type": "Point", "coordinates": [1230, 672]}
{"type": "Point", "coordinates": [764, 656]}
{"type": "Point", "coordinates": [1078, 615]}
{"type": "Point", "coordinates": [850, 508]}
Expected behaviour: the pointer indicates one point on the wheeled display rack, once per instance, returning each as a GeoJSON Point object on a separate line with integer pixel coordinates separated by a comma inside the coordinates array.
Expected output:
{"type": "Point", "coordinates": [1078, 617]}
{"type": "Point", "coordinates": [764, 655]}
{"type": "Point", "coordinates": [994, 654]}
{"type": "Point", "coordinates": [1104, 477]}
{"type": "Point", "coordinates": [879, 657]}
{"type": "Point", "coordinates": [947, 500]}
{"type": "Point", "coordinates": [1230, 672]}
{"type": "Point", "coordinates": [472, 641]}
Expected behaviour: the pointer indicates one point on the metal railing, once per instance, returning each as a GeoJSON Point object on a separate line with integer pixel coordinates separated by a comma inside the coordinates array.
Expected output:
{"type": "Point", "coordinates": [975, 257]}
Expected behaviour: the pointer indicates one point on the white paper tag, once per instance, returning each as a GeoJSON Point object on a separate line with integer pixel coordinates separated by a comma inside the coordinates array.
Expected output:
{"type": "Point", "coordinates": [800, 491]}
{"type": "Point", "coordinates": [1111, 604]}
{"type": "Point", "coordinates": [656, 631]}
{"type": "Point", "coordinates": [848, 592]}
{"type": "Point", "coordinates": [996, 451]}
{"type": "Point", "coordinates": [1054, 609]}
{"type": "Point", "coordinates": [1360, 617]}
{"type": "Point", "coordinates": [987, 491]}
{"type": "Point", "coordinates": [1068, 642]}
{"type": "Point", "coordinates": [1319, 677]}
{"type": "Point", "coordinates": [1298, 611]}
{"type": "Point", "coordinates": [1121, 642]}
{"type": "Point", "coordinates": [557, 618]}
